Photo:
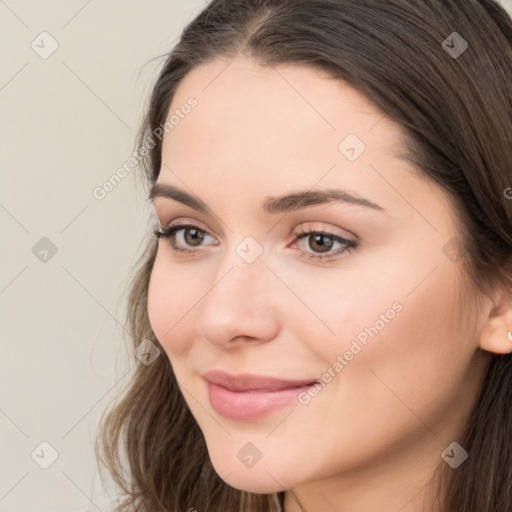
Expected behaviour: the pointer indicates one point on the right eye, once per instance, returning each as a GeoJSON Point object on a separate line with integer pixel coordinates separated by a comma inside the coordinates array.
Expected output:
{"type": "Point", "coordinates": [191, 234]}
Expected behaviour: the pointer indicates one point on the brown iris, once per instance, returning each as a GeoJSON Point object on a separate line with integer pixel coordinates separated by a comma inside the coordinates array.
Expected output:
{"type": "Point", "coordinates": [197, 235]}
{"type": "Point", "coordinates": [319, 241]}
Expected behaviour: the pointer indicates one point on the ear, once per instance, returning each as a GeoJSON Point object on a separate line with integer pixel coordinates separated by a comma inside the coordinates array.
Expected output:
{"type": "Point", "coordinates": [494, 334]}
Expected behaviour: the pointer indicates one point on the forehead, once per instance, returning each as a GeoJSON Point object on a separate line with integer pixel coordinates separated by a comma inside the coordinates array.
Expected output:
{"type": "Point", "coordinates": [267, 129]}
{"type": "Point", "coordinates": [248, 102]}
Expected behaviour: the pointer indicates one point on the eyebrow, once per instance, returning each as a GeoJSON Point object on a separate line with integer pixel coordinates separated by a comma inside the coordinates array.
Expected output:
{"type": "Point", "coordinates": [286, 203]}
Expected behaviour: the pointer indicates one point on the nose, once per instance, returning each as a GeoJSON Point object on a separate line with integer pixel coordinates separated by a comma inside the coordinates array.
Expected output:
{"type": "Point", "coordinates": [239, 305]}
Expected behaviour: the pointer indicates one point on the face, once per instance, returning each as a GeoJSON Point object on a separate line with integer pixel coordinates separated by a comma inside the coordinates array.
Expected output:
{"type": "Point", "coordinates": [358, 294]}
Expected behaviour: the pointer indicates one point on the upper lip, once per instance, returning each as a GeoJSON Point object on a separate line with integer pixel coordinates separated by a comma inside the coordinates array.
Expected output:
{"type": "Point", "coordinates": [248, 382]}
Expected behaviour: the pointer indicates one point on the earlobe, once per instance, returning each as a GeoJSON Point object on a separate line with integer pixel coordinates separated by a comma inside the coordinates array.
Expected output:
{"type": "Point", "coordinates": [496, 337]}
{"type": "Point", "coordinates": [496, 334]}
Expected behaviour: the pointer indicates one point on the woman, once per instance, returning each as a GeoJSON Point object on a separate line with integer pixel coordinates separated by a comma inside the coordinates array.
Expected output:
{"type": "Point", "coordinates": [329, 285]}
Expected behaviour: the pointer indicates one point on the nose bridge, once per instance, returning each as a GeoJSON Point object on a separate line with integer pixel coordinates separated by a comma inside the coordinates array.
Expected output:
{"type": "Point", "coordinates": [237, 303]}
{"type": "Point", "coordinates": [239, 279]}
{"type": "Point", "coordinates": [245, 262]}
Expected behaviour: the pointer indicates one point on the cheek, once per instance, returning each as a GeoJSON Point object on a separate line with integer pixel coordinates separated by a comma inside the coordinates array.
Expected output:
{"type": "Point", "coordinates": [170, 305]}
{"type": "Point", "coordinates": [394, 330]}
{"type": "Point", "coordinates": [419, 358]}
{"type": "Point", "coordinates": [356, 302]}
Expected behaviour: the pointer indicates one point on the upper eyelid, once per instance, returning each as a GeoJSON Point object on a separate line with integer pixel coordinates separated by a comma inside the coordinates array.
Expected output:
{"type": "Point", "coordinates": [157, 204]}
{"type": "Point", "coordinates": [160, 210]}
{"type": "Point", "coordinates": [183, 224]}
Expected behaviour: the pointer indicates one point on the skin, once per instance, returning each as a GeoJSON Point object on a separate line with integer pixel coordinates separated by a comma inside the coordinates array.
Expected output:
{"type": "Point", "coordinates": [384, 420]}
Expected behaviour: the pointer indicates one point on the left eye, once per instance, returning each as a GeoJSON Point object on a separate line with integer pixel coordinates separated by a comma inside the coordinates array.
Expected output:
{"type": "Point", "coordinates": [325, 241]}
{"type": "Point", "coordinates": [193, 236]}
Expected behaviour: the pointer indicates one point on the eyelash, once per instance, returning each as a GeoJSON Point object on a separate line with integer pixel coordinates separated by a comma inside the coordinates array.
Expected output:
{"type": "Point", "coordinates": [350, 245]}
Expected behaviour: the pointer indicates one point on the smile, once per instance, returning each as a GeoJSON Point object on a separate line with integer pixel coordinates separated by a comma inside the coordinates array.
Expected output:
{"type": "Point", "coordinates": [249, 397]}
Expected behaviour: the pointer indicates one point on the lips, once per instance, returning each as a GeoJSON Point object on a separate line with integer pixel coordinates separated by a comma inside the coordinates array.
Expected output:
{"type": "Point", "coordinates": [251, 397]}
{"type": "Point", "coordinates": [247, 382]}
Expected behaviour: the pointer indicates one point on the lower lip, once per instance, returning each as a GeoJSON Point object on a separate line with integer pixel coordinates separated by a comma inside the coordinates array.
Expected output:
{"type": "Point", "coordinates": [251, 405]}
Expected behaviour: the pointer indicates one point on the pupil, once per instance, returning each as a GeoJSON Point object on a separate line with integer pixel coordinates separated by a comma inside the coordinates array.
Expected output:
{"type": "Point", "coordinates": [195, 234]}
{"type": "Point", "coordinates": [323, 246]}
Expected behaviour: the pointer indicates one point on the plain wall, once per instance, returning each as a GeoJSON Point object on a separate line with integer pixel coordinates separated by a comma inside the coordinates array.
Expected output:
{"type": "Point", "coordinates": [67, 123]}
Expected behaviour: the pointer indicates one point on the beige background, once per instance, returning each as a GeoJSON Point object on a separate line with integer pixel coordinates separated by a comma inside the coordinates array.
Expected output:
{"type": "Point", "coordinates": [67, 123]}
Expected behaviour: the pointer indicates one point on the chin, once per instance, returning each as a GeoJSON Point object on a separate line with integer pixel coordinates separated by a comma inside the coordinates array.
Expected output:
{"type": "Point", "coordinates": [256, 479]}
{"type": "Point", "coordinates": [264, 485]}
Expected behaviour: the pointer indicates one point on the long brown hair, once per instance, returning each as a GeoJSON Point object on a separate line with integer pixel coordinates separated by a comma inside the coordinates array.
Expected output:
{"type": "Point", "coordinates": [456, 110]}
